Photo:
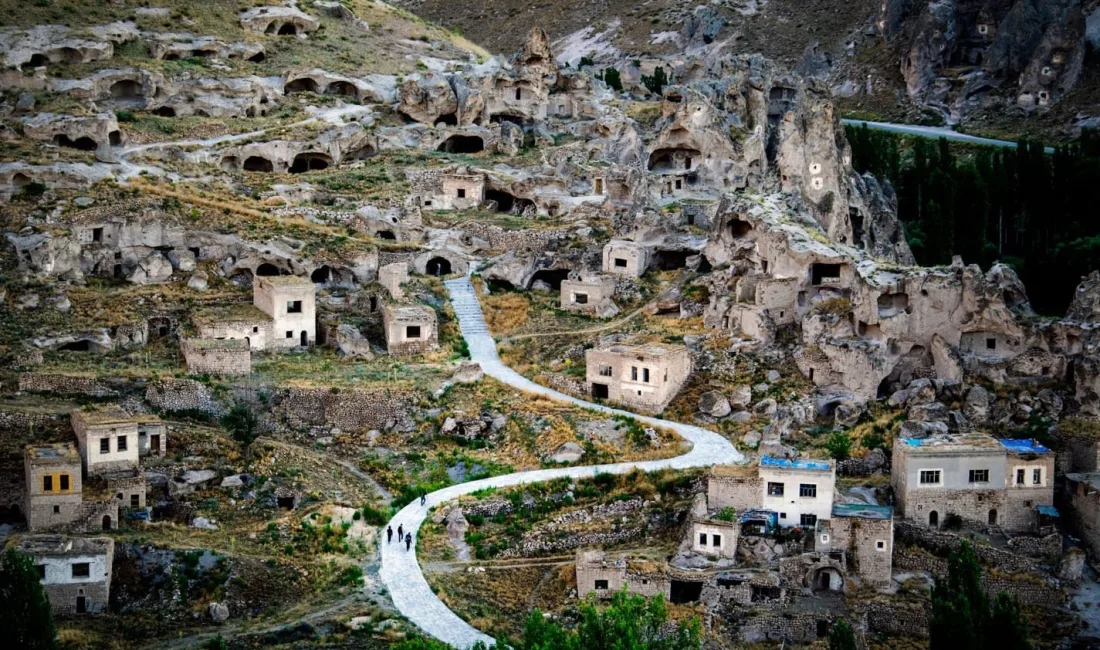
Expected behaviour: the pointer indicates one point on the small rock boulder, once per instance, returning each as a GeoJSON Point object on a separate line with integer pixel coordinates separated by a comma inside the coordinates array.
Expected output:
{"type": "Point", "coordinates": [741, 396]}
{"type": "Point", "coordinates": [468, 372]}
{"type": "Point", "coordinates": [570, 452]}
{"type": "Point", "coordinates": [219, 613]}
{"type": "Point", "coordinates": [714, 404]}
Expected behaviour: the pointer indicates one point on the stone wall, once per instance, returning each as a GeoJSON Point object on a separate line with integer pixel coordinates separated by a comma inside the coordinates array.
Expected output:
{"type": "Point", "coordinates": [216, 360]}
{"type": "Point", "coordinates": [36, 382]}
{"type": "Point", "coordinates": [1031, 588]}
{"type": "Point", "coordinates": [1049, 546]}
{"type": "Point", "coordinates": [562, 383]}
{"type": "Point", "coordinates": [943, 543]}
{"type": "Point", "coordinates": [183, 395]}
{"type": "Point", "coordinates": [505, 240]}
{"type": "Point", "coordinates": [898, 619]}
{"type": "Point", "coordinates": [346, 409]}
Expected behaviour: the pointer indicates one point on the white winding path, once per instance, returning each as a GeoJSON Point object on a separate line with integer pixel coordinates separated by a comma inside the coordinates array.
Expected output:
{"type": "Point", "coordinates": [400, 571]}
{"type": "Point", "coordinates": [935, 132]}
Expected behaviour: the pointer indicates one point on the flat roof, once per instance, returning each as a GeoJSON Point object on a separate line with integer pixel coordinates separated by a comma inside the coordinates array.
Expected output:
{"type": "Point", "coordinates": [862, 511]}
{"type": "Point", "coordinates": [285, 281]}
{"type": "Point", "coordinates": [784, 463]}
{"type": "Point", "coordinates": [235, 312]}
{"type": "Point", "coordinates": [648, 350]}
{"type": "Point", "coordinates": [105, 414]}
{"type": "Point", "coordinates": [217, 344]}
{"type": "Point", "coordinates": [954, 442]}
{"type": "Point", "coordinates": [64, 545]}
{"type": "Point", "coordinates": [1024, 446]}
{"type": "Point", "coordinates": [733, 471]}
{"type": "Point", "coordinates": [410, 313]}
{"type": "Point", "coordinates": [61, 452]}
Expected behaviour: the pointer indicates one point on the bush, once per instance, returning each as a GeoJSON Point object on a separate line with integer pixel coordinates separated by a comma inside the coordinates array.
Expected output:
{"type": "Point", "coordinates": [124, 116]}
{"type": "Point", "coordinates": [656, 83]}
{"type": "Point", "coordinates": [729, 513]}
{"type": "Point", "coordinates": [839, 445]}
{"type": "Point", "coordinates": [373, 516]}
{"type": "Point", "coordinates": [350, 576]}
{"type": "Point", "coordinates": [586, 61]}
{"type": "Point", "coordinates": [612, 79]}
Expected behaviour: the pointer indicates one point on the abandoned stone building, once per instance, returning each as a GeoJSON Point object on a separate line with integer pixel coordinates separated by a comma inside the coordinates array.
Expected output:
{"type": "Point", "coordinates": [234, 321]}
{"type": "Point", "coordinates": [229, 357]}
{"type": "Point", "coordinates": [53, 497]}
{"type": "Point", "coordinates": [587, 292]}
{"type": "Point", "coordinates": [75, 571]}
{"type": "Point", "coordinates": [982, 480]}
{"type": "Point", "coordinates": [623, 257]}
{"type": "Point", "coordinates": [453, 189]}
{"type": "Point", "coordinates": [410, 329]}
{"type": "Point", "coordinates": [1081, 492]}
{"type": "Point", "coordinates": [291, 303]}
{"type": "Point", "coordinates": [714, 536]}
{"type": "Point", "coordinates": [645, 377]}
{"type": "Point", "coordinates": [152, 435]}
{"type": "Point", "coordinates": [603, 576]}
{"type": "Point", "coordinates": [865, 532]}
{"type": "Point", "coordinates": [392, 276]}
{"type": "Point", "coordinates": [108, 439]}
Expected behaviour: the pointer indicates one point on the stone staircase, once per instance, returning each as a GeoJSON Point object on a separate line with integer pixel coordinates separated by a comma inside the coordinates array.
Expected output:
{"type": "Point", "coordinates": [468, 310]}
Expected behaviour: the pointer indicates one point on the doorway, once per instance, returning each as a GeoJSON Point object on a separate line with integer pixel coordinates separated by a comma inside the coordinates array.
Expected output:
{"type": "Point", "coordinates": [305, 339]}
{"type": "Point", "coordinates": [81, 604]}
{"type": "Point", "coordinates": [599, 391]}
{"type": "Point", "coordinates": [934, 519]}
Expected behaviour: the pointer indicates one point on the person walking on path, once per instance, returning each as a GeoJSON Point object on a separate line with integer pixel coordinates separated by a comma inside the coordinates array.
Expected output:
{"type": "Point", "coordinates": [400, 527]}
{"type": "Point", "coordinates": [389, 534]}
{"type": "Point", "coordinates": [408, 541]}
{"type": "Point", "coordinates": [423, 499]}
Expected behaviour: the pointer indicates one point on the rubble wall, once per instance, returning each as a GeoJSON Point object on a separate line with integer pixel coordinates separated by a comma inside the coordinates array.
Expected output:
{"type": "Point", "coordinates": [349, 410]}
{"type": "Point", "coordinates": [35, 382]}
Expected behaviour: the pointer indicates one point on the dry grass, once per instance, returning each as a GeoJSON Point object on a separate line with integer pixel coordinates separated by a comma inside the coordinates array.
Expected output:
{"type": "Point", "coordinates": [505, 312]}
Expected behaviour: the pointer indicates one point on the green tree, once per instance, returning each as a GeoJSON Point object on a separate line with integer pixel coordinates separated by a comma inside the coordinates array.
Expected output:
{"type": "Point", "coordinates": [629, 622]}
{"type": "Point", "coordinates": [841, 636]}
{"type": "Point", "coordinates": [657, 82]}
{"type": "Point", "coordinates": [963, 617]}
{"type": "Point", "coordinates": [612, 79]}
{"type": "Point", "coordinates": [25, 614]}
{"type": "Point", "coordinates": [839, 445]}
{"type": "Point", "coordinates": [243, 424]}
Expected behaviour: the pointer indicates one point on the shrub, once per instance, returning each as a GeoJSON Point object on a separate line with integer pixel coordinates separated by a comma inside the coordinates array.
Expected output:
{"type": "Point", "coordinates": [839, 445]}
{"type": "Point", "coordinates": [729, 513]}
{"type": "Point", "coordinates": [657, 82]}
{"type": "Point", "coordinates": [350, 576]}
{"type": "Point", "coordinates": [612, 79]}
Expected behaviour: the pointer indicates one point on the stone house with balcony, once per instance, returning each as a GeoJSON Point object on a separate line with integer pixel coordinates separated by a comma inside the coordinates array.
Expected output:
{"type": "Point", "coordinates": [75, 571]}
{"type": "Point", "coordinates": [644, 377]}
{"type": "Point", "coordinates": [410, 329]}
{"type": "Point", "coordinates": [982, 480]}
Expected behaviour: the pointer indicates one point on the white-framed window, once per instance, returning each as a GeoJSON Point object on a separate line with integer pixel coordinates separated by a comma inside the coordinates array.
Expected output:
{"type": "Point", "coordinates": [1037, 476]}
{"type": "Point", "coordinates": [931, 477]}
{"type": "Point", "coordinates": [824, 538]}
{"type": "Point", "coordinates": [979, 476]}
{"type": "Point", "coordinates": [716, 541]}
{"type": "Point", "coordinates": [880, 545]}
{"type": "Point", "coordinates": [1020, 473]}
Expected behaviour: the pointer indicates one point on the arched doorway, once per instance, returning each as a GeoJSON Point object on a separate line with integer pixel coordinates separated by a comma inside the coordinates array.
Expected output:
{"type": "Point", "coordinates": [450, 119]}
{"type": "Point", "coordinates": [303, 85]}
{"type": "Point", "coordinates": [992, 516]}
{"type": "Point", "coordinates": [438, 266]}
{"type": "Point", "coordinates": [289, 29]}
{"type": "Point", "coordinates": [321, 275]}
{"type": "Point", "coordinates": [934, 519]}
{"type": "Point", "coordinates": [267, 270]}
{"type": "Point", "coordinates": [106, 522]}
{"type": "Point", "coordinates": [462, 144]}
{"type": "Point", "coordinates": [828, 579]}
{"type": "Point", "coordinates": [126, 89]}
{"type": "Point", "coordinates": [342, 88]}
{"type": "Point", "coordinates": [84, 143]}
{"type": "Point", "coordinates": [258, 164]}
{"type": "Point", "coordinates": [310, 161]}
{"type": "Point", "coordinates": [386, 234]}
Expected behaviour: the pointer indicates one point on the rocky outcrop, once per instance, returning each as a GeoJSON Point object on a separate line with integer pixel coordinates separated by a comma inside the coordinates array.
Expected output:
{"type": "Point", "coordinates": [281, 21]}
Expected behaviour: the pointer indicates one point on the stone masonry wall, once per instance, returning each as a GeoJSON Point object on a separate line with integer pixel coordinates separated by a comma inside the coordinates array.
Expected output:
{"type": "Point", "coordinates": [943, 543]}
{"type": "Point", "coordinates": [35, 382]}
{"type": "Point", "coordinates": [1031, 588]}
{"type": "Point", "coordinates": [348, 410]}
{"type": "Point", "coordinates": [504, 240]}
{"type": "Point", "coordinates": [183, 395]}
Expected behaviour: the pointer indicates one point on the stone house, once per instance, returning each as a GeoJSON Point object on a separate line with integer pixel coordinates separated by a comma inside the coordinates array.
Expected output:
{"type": "Point", "coordinates": [237, 321]}
{"type": "Point", "coordinates": [973, 476]}
{"type": "Point", "coordinates": [54, 486]}
{"type": "Point", "coordinates": [75, 571]}
{"type": "Point", "coordinates": [230, 357]}
{"type": "Point", "coordinates": [623, 257]}
{"type": "Point", "coordinates": [715, 537]}
{"type": "Point", "coordinates": [152, 435]}
{"type": "Point", "coordinates": [291, 303]}
{"type": "Point", "coordinates": [602, 576]}
{"type": "Point", "coordinates": [801, 491]}
{"type": "Point", "coordinates": [108, 439]}
{"type": "Point", "coordinates": [1082, 495]}
{"type": "Point", "coordinates": [586, 292]}
{"type": "Point", "coordinates": [643, 377]}
{"type": "Point", "coordinates": [460, 192]}
{"type": "Point", "coordinates": [865, 533]}
{"type": "Point", "coordinates": [410, 329]}
{"type": "Point", "coordinates": [392, 276]}
{"type": "Point", "coordinates": [128, 489]}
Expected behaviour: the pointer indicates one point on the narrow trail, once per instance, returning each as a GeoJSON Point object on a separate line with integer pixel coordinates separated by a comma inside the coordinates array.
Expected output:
{"type": "Point", "coordinates": [400, 571]}
{"type": "Point", "coordinates": [934, 132]}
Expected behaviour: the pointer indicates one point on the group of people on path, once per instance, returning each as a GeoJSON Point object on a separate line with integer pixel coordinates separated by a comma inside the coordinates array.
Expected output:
{"type": "Point", "coordinates": [408, 537]}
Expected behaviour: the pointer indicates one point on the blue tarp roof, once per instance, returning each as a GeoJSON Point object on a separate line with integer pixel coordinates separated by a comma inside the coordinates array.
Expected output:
{"type": "Point", "coordinates": [1049, 511]}
{"type": "Point", "coordinates": [1024, 446]}
{"type": "Point", "coordinates": [815, 465]}
{"type": "Point", "coordinates": [862, 511]}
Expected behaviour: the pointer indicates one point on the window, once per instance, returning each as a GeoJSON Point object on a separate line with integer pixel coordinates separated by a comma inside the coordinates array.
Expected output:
{"type": "Point", "coordinates": [825, 539]}
{"type": "Point", "coordinates": [775, 489]}
{"type": "Point", "coordinates": [645, 375]}
{"type": "Point", "coordinates": [808, 520]}
{"type": "Point", "coordinates": [633, 373]}
{"type": "Point", "coordinates": [41, 568]}
{"type": "Point", "coordinates": [991, 344]}
{"type": "Point", "coordinates": [104, 445]}
{"type": "Point", "coordinates": [605, 371]}
{"type": "Point", "coordinates": [979, 476]}
{"type": "Point", "coordinates": [601, 584]}
{"type": "Point", "coordinates": [929, 477]}
{"type": "Point", "coordinates": [290, 334]}
{"type": "Point", "coordinates": [519, 93]}
{"type": "Point", "coordinates": [620, 263]}
{"type": "Point", "coordinates": [807, 490]}
{"type": "Point", "coordinates": [1037, 476]}
{"type": "Point", "coordinates": [57, 510]}
{"type": "Point", "coordinates": [702, 539]}
{"type": "Point", "coordinates": [81, 570]}
{"type": "Point", "coordinates": [47, 483]}
{"type": "Point", "coordinates": [255, 330]}
{"type": "Point", "coordinates": [580, 298]}
{"type": "Point", "coordinates": [121, 443]}
{"type": "Point", "coordinates": [135, 500]}
{"type": "Point", "coordinates": [782, 515]}
{"type": "Point", "coordinates": [412, 332]}
{"type": "Point", "coordinates": [1019, 477]}
{"type": "Point", "coordinates": [294, 307]}
{"type": "Point", "coordinates": [716, 541]}
{"type": "Point", "coordinates": [63, 480]}
{"type": "Point", "coordinates": [461, 193]}
{"type": "Point", "coordinates": [97, 234]}
{"type": "Point", "coordinates": [880, 545]}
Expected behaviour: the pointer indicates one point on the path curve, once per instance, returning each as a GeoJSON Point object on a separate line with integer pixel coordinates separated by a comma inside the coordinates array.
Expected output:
{"type": "Point", "coordinates": [934, 132]}
{"type": "Point", "coordinates": [400, 571]}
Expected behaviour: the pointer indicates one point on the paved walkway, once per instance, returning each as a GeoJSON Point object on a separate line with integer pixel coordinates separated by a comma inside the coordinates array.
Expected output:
{"type": "Point", "coordinates": [934, 132]}
{"type": "Point", "coordinates": [400, 571]}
